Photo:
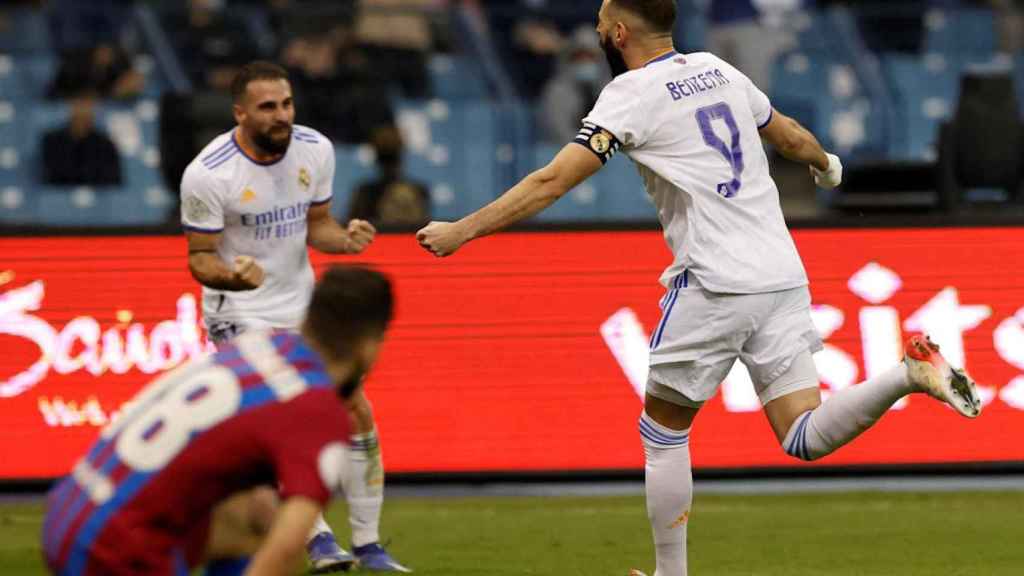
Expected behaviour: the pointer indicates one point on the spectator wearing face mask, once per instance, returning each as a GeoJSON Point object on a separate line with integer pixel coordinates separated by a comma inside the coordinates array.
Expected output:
{"type": "Point", "coordinates": [573, 90]}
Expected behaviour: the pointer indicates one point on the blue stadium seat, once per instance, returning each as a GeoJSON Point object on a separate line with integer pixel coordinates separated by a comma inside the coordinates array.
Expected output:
{"type": "Point", "coordinates": [37, 72]}
{"type": "Point", "coordinates": [798, 81]}
{"type": "Point", "coordinates": [141, 200]}
{"type": "Point", "coordinates": [926, 93]}
{"type": "Point", "coordinates": [455, 148]}
{"type": "Point", "coordinates": [18, 204]}
{"type": "Point", "coordinates": [71, 206]}
{"type": "Point", "coordinates": [28, 32]}
{"type": "Point", "coordinates": [961, 31]}
{"type": "Point", "coordinates": [350, 170]}
{"type": "Point", "coordinates": [456, 76]}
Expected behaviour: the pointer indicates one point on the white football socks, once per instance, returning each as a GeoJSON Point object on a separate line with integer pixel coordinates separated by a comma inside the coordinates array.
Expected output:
{"type": "Point", "coordinates": [669, 486]}
{"type": "Point", "coordinates": [320, 526]}
{"type": "Point", "coordinates": [364, 488]}
{"type": "Point", "coordinates": [845, 415]}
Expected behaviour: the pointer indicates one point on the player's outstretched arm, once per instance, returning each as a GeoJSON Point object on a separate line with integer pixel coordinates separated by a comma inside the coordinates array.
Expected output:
{"type": "Point", "coordinates": [533, 194]}
{"type": "Point", "coordinates": [285, 545]}
{"type": "Point", "coordinates": [326, 235]}
{"type": "Point", "coordinates": [208, 269]}
{"type": "Point", "coordinates": [798, 144]}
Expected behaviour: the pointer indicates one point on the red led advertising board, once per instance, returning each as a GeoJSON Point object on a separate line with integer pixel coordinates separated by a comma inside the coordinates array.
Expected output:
{"type": "Point", "coordinates": [525, 352]}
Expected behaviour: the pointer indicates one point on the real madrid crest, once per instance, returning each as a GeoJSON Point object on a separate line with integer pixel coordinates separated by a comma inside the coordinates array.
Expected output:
{"type": "Point", "coordinates": [600, 142]}
{"type": "Point", "coordinates": [195, 209]}
{"type": "Point", "coordinates": [304, 178]}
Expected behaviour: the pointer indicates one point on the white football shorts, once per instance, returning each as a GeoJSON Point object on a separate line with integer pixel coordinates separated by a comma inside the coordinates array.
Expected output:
{"type": "Point", "coordinates": [702, 334]}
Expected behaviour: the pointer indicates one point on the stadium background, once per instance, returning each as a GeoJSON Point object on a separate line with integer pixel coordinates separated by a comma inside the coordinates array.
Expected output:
{"type": "Point", "coordinates": [519, 359]}
{"type": "Point", "coordinates": [513, 368]}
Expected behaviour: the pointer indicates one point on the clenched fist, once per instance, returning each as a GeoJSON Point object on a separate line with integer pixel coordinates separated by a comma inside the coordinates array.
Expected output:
{"type": "Point", "coordinates": [360, 234]}
{"type": "Point", "coordinates": [442, 238]}
{"type": "Point", "coordinates": [248, 273]}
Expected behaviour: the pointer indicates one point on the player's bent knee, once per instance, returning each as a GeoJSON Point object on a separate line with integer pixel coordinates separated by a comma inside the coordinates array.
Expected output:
{"type": "Point", "coordinates": [239, 524]}
{"type": "Point", "coordinates": [262, 505]}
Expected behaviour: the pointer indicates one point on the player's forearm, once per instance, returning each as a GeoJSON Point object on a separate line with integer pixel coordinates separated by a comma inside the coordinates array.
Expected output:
{"type": "Point", "coordinates": [329, 237]}
{"type": "Point", "coordinates": [526, 199]}
{"type": "Point", "coordinates": [210, 271]}
{"type": "Point", "coordinates": [801, 146]}
{"type": "Point", "coordinates": [283, 548]}
{"type": "Point", "coordinates": [275, 562]}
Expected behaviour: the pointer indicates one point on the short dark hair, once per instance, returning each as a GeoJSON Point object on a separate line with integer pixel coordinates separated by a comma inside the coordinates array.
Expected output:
{"type": "Point", "coordinates": [349, 303]}
{"type": "Point", "coordinates": [660, 15]}
{"type": "Point", "coordinates": [253, 71]}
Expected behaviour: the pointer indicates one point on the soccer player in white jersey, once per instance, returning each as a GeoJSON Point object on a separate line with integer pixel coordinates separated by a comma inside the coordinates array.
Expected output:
{"type": "Point", "coordinates": [737, 289]}
{"type": "Point", "coordinates": [252, 201]}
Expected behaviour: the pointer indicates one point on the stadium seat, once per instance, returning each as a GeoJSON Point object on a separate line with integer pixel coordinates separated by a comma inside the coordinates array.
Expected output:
{"type": "Point", "coordinates": [28, 32]}
{"type": "Point", "coordinates": [453, 76]}
{"type": "Point", "coordinates": [960, 32]}
{"type": "Point", "coordinates": [457, 141]}
{"type": "Point", "coordinates": [798, 80]}
{"type": "Point", "coordinates": [36, 71]}
{"type": "Point", "coordinates": [352, 166]}
{"type": "Point", "coordinates": [925, 92]}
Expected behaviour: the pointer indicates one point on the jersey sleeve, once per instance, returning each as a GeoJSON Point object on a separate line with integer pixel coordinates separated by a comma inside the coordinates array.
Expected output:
{"type": "Point", "coordinates": [201, 202]}
{"type": "Point", "coordinates": [325, 179]}
{"type": "Point", "coordinates": [615, 122]}
{"type": "Point", "coordinates": [760, 105]}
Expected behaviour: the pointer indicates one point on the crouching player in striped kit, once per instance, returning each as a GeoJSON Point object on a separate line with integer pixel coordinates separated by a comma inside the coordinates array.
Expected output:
{"type": "Point", "coordinates": [187, 475]}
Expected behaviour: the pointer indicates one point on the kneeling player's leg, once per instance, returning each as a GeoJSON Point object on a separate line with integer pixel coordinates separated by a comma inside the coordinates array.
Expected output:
{"type": "Point", "coordinates": [809, 429]}
{"type": "Point", "coordinates": [668, 480]}
{"type": "Point", "coordinates": [237, 529]}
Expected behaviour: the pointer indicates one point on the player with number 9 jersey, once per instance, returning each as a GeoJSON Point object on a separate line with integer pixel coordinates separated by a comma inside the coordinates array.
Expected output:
{"type": "Point", "coordinates": [266, 410]}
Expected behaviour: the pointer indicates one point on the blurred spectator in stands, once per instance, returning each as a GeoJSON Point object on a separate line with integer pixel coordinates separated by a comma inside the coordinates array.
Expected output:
{"type": "Point", "coordinates": [78, 154]}
{"type": "Point", "coordinates": [750, 35]}
{"type": "Point", "coordinates": [290, 19]}
{"type": "Point", "coordinates": [573, 91]}
{"type": "Point", "coordinates": [391, 200]}
{"type": "Point", "coordinates": [890, 25]}
{"type": "Point", "coordinates": [337, 87]}
{"type": "Point", "coordinates": [398, 35]}
{"type": "Point", "coordinates": [211, 43]}
{"type": "Point", "coordinates": [79, 25]}
{"type": "Point", "coordinates": [1009, 24]}
{"type": "Point", "coordinates": [103, 68]}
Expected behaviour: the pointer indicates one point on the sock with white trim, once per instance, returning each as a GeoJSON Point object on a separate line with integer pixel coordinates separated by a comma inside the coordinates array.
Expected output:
{"type": "Point", "coordinates": [845, 415]}
{"type": "Point", "coordinates": [318, 528]}
{"type": "Point", "coordinates": [668, 482]}
{"type": "Point", "coordinates": [364, 488]}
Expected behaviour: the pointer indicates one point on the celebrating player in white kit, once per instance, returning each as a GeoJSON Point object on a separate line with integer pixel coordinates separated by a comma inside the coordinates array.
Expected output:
{"type": "Point", "coordinates": [737, 289]}
{"type": "Point", "coordinates": [252, 201]}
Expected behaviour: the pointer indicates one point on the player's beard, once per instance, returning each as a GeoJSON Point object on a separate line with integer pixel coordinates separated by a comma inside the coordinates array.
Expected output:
{"type": "Point", "coordinates": [614, 56]}
{"type": "Point", "coordinates": [270, 145]}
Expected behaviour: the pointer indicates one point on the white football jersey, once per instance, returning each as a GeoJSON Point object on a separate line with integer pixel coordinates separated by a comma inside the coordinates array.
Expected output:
{"type": "Point", "coordinates": [261, 210]}
{"type": "Point", "coordinates": [691, 124]}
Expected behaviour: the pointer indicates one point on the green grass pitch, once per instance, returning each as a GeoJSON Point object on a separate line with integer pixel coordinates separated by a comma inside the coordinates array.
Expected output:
{"type": "Point", "coordinates": [947, 534]}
